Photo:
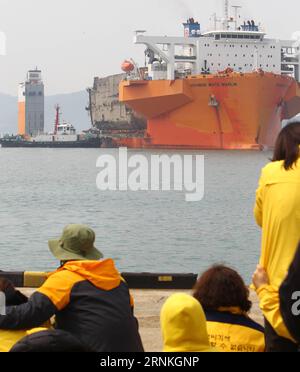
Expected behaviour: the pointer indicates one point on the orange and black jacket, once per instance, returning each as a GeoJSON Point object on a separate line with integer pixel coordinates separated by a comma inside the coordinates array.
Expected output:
{"type": "Point", "coordinates": [289, 295]}
{"type": "Point", "coordinates": [90, 300]}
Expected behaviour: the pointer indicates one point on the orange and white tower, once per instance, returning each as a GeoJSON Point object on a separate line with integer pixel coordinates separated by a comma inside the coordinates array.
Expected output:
{"type": "Point", "coordinates": [31, 105]}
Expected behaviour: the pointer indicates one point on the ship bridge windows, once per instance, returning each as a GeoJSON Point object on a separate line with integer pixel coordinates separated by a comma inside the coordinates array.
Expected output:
{"type": "Point", "coordinates": [288, 50]}
{"type": "Point", "coordinates": [240, 36]}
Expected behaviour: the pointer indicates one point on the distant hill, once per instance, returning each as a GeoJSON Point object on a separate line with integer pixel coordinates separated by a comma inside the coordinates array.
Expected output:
{"type": "Point", "coordinates": [72, 105]}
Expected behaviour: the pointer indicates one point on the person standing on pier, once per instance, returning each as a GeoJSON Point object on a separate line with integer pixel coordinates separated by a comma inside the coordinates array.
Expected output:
{"type": "Point", "coordinates": [277, 211]}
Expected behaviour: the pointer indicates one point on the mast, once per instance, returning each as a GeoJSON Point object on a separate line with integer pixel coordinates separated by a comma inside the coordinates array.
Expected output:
{"type": "Point", "coordinates": [215, 21]}
{"type": "Point", "coordinates": [236, 14]}
{"type": "Point", "coordinates": [57, 119]}
{"type": "Point", "coordinates": [226, 14]}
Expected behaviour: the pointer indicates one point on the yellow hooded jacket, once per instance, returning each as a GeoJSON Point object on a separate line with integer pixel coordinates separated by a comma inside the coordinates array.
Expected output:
{"type": "Point", "coordinates": [231, 330]}
{"type": "Point", "coordinates": [184, 325]}
{"type": "Point", "coordinates": [270, 306]}
{"type": "Point", "coordinates": [277, 211]}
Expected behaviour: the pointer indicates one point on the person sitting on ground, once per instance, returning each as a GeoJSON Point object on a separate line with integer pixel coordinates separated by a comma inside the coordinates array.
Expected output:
{"type": "Point", "coordinates": [225, 300]}
{"type": "Point", "coordinates": [12, 298]}
{"type": "Point", "coordinates": [280, 306]}
{"type": "Point", "coordinates": [184, 325]}
{"type": "Point", "coordinates": [89, 298]}
{"type": "Point", "coordinates": [49, 341]}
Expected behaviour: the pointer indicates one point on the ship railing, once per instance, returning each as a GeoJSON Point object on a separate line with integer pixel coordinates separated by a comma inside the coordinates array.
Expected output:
{"type": "Point", "coordinates": [186, 58]}
{"type": "Point", "coordinates": [290, 60]}
{"type": "Point", "coordinates": [287, 68]}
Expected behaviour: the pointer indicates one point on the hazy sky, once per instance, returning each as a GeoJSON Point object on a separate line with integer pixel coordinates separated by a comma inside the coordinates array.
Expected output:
{"type": "Point", "coordinates": [74, 40]}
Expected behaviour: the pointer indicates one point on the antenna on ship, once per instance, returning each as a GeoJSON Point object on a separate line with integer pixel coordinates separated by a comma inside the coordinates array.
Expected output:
{"type": "Point", "coordinates": [57, 119]}
{"type": "Point", "coordinates": [229, 20]}
{"type": "Point", "coordinates": [226, 14]}
{"type": "Point", "coordinates": [236, 14]}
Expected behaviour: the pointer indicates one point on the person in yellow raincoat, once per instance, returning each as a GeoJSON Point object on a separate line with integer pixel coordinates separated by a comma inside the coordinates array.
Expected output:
{"type": "Point", "coordinates": [282, 308]}
{"type": "Point", "coordinates": [184, 325]}
{"type": "Point", "coordinates": [277, 211]}
{"type": "Point", "coordinates": [225, 299]}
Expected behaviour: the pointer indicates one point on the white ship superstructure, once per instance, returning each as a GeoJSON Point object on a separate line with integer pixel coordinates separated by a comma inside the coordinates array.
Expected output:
{"type": "Point", "coordinates": [231, 44]}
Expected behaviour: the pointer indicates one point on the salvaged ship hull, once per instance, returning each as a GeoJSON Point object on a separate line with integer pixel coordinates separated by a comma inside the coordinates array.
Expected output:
{"type": "Point", "coordinates": [219, 111]}
{"type": "Point", "coordinates": [111, 117]}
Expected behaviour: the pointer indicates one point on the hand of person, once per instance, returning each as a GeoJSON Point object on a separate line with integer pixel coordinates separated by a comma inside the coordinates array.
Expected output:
{"type": "Point", "coordinates": [260, 277]}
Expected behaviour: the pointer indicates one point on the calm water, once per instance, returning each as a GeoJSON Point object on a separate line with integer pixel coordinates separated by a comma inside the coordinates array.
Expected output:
{"type": "Point", "coordinates": [42, 190]}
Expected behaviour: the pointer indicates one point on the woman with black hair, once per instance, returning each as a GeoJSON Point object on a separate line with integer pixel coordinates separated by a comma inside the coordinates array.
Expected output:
{"type": "Point", "coordinates": [277, 211]}
{"type": "Point", "coordinates": [225, 299]}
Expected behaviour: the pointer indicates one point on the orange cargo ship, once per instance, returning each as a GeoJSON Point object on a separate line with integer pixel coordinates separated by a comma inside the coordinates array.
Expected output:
{"type": "Point", "coordinates": [229, 88]}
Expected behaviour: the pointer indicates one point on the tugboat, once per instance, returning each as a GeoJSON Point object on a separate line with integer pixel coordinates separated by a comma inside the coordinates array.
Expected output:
{"type": "Point", "coordinates": [64, 136]}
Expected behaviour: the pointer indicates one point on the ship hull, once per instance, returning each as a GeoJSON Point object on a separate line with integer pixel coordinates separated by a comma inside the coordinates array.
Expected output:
{"type": "Point", "coordinates": [55, 144]}
{"type": "Point", "coordinates": [225, 111]}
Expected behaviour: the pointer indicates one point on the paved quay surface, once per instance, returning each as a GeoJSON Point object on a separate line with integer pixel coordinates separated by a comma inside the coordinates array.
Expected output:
{"type": "Point", "coordinates": [148, 304]}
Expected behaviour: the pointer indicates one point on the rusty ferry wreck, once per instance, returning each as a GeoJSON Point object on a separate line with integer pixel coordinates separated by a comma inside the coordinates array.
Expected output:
{"type": "Point", "coordinates": [227, 88]}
